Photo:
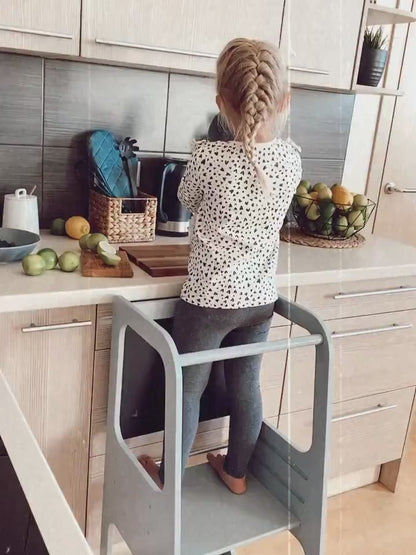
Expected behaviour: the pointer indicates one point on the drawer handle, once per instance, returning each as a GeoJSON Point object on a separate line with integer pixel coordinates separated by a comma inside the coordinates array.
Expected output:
{"type": "Point", "coordinates": [378, 408]}
{"type": "Point", "coordinates": [369, 331]}
{"type": "Point", "coordinates": [35, 32]}
{"type": "Point", "coordinates": [401, 289]}
{"type": "Point", "coordinates": [50, 327]}
{"type": "Point", "coordinates": [157, 48]}
{"type": "Point", "coordinates": [308, 70]}
{"type": "Point", "coordinates": [392, 188]}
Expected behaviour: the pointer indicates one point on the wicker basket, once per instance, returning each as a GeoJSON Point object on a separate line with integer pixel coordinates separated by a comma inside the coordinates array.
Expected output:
{"type": "Point", "coordinates": [124, 220]}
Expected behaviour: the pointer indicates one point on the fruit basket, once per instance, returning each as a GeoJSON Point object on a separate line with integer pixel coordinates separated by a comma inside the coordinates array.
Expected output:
{"type": "Point", "coordinates": [330, 212]}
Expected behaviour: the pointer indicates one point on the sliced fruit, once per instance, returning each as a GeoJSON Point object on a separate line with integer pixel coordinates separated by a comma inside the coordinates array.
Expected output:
{"type": "Point", "coordinates": [104, 247]}
{"type": "Point", "coordinates": [83, 241]}
{"type": "Point", "coordinates": [58, 226]}
{"type": "Point", "coordinates": [33, 265]}
{"type": "Point", "coordinates": [76, 227]}
{"type": "Point", "coordinates": [110, 259]}
{"type": "Point", "coordinates": [320, 186]}
{"type": "Point", "coordinates": [50, 258]}
{"type": "Point", "coordinates": [94, 239]}
{"type": "Point", "coordinates": [306, 184]}
{"type": "Point", "coordinates": [313, 212]}
{"type": "Point", "coordinates": [360, 201]}
{"type": "Point", "coordinates": [304, 200]}
{"type": "Point", "coordinates": [356, 219]}
{"type": "Point", "coordinates": [69, 261]}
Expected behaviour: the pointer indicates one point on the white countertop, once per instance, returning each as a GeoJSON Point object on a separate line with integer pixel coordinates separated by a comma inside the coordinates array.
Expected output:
{"type": "Point", "coordinates": [298, 265]}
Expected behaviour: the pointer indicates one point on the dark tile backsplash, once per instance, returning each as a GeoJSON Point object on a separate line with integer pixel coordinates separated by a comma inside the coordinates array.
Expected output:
{"type": "Point", "coordinates": [47, 106]}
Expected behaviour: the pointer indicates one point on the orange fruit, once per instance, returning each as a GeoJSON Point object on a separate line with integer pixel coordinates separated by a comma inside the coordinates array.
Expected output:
{"type": "Point", "coordinates": [341, 196]}
{"type": "Point", "coordinates": [76, 227]}
{"type": "Point", "coordinates": [314, 195]}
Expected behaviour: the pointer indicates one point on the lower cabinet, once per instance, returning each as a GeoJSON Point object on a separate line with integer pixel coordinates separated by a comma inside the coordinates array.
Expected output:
{"type": "Point", "coordinates": [366, 432]}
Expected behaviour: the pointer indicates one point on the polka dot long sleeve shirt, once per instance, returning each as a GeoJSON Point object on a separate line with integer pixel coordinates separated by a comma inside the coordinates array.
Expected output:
{"type": "Point", "coordinates": [235, 239]}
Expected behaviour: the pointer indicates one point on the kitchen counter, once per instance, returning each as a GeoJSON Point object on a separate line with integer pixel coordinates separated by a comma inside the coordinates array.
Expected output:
{"type": "Point", "coordinates": [298, 265]}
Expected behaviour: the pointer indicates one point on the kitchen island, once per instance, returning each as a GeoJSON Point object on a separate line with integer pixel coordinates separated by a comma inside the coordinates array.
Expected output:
{"type": "Point", "coordinates": [56, 331]}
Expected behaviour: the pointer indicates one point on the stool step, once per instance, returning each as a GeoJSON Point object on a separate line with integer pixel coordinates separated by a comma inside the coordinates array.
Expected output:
{"type": "Point", "coordinates": [214, 520]}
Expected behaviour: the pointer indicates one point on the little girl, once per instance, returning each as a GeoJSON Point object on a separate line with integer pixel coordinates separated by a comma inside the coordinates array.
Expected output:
{"type": "Point", "coordinates": [239, 193]}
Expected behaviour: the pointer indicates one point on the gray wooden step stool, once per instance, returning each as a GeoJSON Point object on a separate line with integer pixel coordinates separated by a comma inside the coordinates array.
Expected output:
{"type": "Point", "coordinates": [286, 487]}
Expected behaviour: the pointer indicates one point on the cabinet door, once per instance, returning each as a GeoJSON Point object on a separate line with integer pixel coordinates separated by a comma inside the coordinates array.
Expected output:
{"type": "Point", "coordinates": [373, 354]}
{"type": "Point", "coordinates": [180, 34]}
{"type": "Point", "coordinates": [41, 25]}
{"type": "Point", "coordinates": [320, 41]}
{"type": "Point", "coordinates": [50, 372]}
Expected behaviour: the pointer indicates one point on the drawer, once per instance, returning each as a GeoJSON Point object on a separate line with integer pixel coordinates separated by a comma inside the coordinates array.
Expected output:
{"type": "Point", "coordinates": [365, 432]}
{"type": "Point", "coordinates": [358, 298]}
{"type": "Point", "coordinates": [376, 354]}
{"type": "Point", "coordinates": [105, 314]}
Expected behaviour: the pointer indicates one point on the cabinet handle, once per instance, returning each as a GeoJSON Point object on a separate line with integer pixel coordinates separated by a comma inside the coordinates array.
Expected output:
{"type": "Point", "coordinates": [157, 48]}
{"type": "Point", "coordinates": [35, 32]}
{"type": "Point", "coordinates": [401, 289]}
{"type": "Point", "coordinates": [392, 188]}
{"type": "Point", "coordinates": [50, 327]}
{"type": "Point", "coordinates": [308, 70]}
{"type": "Point", "coordinates": [378, 408]}
{"type": "Point", "coordinates": [394, 327]}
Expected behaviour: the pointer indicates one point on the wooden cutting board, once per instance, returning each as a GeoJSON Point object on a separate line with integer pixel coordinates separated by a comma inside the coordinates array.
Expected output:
{"type": "Point", "coordinates": [160, 260]}
{"type": "Point", "coordinates": [93, 266]}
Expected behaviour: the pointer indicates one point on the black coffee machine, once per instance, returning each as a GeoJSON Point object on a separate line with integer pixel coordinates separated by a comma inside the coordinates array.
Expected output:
{"type": "Point", "coordinates": [172, 217]}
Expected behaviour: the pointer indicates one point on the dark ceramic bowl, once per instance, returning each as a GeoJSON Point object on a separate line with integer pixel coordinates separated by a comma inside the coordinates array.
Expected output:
{"type": "Point", "coordinates": [24, 243]}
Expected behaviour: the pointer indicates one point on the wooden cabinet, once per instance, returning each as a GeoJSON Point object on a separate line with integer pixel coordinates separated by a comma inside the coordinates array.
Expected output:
{"type": "Point", "coordinates": [48, 363]}
{"type": "Point", "coordinates": [41, 25]}
{"type": "Point", "coordinates": [366, 432]}
{"type": "Point", "coordinates": [373, 354]}
{"type": "Point", "coordinates": [180, 34]}
{"type": "Point", "coordinates": [320, 41]}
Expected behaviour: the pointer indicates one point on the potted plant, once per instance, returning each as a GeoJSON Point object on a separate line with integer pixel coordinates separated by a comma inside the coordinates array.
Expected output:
{"type": "Point", "coordinates": [373, 57]}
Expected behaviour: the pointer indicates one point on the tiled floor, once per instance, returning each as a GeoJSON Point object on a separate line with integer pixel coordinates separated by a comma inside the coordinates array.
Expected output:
{"type": "Point", "coordinates": [366, 521]}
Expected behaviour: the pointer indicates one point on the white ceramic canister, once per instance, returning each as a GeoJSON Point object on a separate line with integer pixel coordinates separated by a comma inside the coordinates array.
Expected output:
{"type": "Point", "coordinates": [21, 211]}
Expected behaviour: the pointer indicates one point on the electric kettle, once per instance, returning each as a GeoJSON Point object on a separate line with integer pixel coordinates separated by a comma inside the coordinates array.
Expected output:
{"type": "Point", "coordinates": [21, 211]}
{"type": "Point", "coordinates": [173, 218]}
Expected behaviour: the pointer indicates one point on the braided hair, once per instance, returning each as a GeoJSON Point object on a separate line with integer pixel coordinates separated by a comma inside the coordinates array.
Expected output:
{"type": "Point", "coordinates": [252, 78]}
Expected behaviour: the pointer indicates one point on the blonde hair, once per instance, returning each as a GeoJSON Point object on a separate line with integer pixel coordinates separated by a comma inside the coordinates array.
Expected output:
{"type": "Point", "coordinates": [252, 80]}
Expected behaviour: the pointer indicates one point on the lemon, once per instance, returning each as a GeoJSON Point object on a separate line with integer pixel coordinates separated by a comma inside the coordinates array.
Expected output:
{"type": "Point", "coordinates": [76, 227]}
{"type": "Point", "coordinates": [313, 212]}
{"type": "Point", "coordinates": [356, 219]}
{"type": "Point", "coordinates": [304, 200]}
{"type": "Point", "coordinates": [33, 265]}
{"type": "Point", "coordinates": [324, 193]}
{"type": "Point", "coordinates": [360, 201]}
{"type": "Point", "coordinates": [58, 226]}
{"type": "Point", "coordinates": [301, 190]}
{"type": "Point", "coordinates": [306, 184]}
{"type": "Point", "coordinates": [69, 261]}
{"type": "Point", "coordinates": [94, 239]}
{"type": "Point", "coordinates": [50, 258]}
{"type": "Point", "coordinates": [320, 186]}
{"type": "Point", "coordinates": [83, 241]}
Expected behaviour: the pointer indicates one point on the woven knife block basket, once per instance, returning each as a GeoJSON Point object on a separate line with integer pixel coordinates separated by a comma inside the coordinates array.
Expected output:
{"type": "Point", "coordinates": [124, 220]}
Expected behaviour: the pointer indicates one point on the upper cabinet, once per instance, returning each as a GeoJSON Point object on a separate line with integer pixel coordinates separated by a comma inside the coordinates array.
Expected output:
{"type": "Point", "coordinates": [179, 34]}
{"type": "Point", "coordinates": [46, 26]}
{"type": "Point", "coordinates": [320, 40]}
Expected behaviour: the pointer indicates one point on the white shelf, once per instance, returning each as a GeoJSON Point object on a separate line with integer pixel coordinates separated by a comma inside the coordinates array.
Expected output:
{"type": "Point", "coordinates": [364, 89]}
{"type": "Point", "coordinates": [381, 15]}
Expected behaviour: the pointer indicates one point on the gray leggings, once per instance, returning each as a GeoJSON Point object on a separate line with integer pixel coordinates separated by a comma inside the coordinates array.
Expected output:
{"type": "Point", "coordinates": [197, 329]}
